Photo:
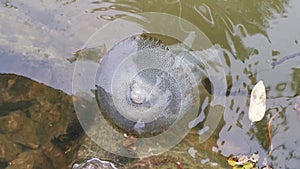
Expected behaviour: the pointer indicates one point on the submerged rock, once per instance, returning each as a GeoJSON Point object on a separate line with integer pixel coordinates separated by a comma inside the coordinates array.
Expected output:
{"type": "Point", "coordinates": [32, 118]}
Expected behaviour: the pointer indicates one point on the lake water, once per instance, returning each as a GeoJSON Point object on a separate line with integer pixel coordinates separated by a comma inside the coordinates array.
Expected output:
{"type": "Point", "coordinates": [257, 40]}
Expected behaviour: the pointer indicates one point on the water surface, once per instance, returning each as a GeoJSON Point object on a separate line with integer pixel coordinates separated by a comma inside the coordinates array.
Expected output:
{"type": "Point", "coordinates": [38, 38]}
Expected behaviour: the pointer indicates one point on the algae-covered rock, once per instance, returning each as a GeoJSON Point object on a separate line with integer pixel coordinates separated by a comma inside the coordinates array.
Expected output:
{"type": "Point", "coordinates": [35, 124]}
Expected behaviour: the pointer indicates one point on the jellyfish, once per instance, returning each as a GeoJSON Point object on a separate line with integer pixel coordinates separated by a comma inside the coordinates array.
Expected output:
{"type": "Point", "coordinates": [143, 87]}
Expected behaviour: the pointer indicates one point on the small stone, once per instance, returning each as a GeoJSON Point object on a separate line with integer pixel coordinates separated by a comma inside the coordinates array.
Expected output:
{"type": "Point", "coordinates": [95, 163]}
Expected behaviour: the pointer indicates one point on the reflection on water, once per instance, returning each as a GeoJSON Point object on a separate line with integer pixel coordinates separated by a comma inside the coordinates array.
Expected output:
{"type": "Point", "coordinates": [37, 38]}
{"type": "Point", "coordinates": [224, 22]}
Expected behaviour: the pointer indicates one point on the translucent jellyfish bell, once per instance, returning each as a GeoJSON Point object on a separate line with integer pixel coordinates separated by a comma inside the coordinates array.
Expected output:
{"type": "Point", "coordinates": [144, 88]}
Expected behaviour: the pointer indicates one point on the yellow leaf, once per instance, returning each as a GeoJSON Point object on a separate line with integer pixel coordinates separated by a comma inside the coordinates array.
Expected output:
{"type": "Point", "coordinates": [231, 162]}
{"type": "Point", "coordinates": [248, 165]}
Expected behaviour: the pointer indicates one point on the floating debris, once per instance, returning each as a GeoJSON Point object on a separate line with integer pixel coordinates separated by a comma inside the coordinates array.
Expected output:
{"type": "Point", "coordinates": [285, 59]}
{"type": "Point", "coordinates": [297, 103]}
{"type": "Point", "coordinates": [192, 152]}
{"type": "Point", "coordinates": [265, 164]}
{"type": "Point", "coordinates": [257, 106]}
{"type": "Point", "coordinates": [130, 143]}
{"type": "Point", "coordinates": [243, 161]}
{"type": "Point", "coordinates": [269, 135]}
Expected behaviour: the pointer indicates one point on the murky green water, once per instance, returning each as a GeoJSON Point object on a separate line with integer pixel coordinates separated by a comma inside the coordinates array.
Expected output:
{"type": "Point", "coordinates": [255, 38]}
